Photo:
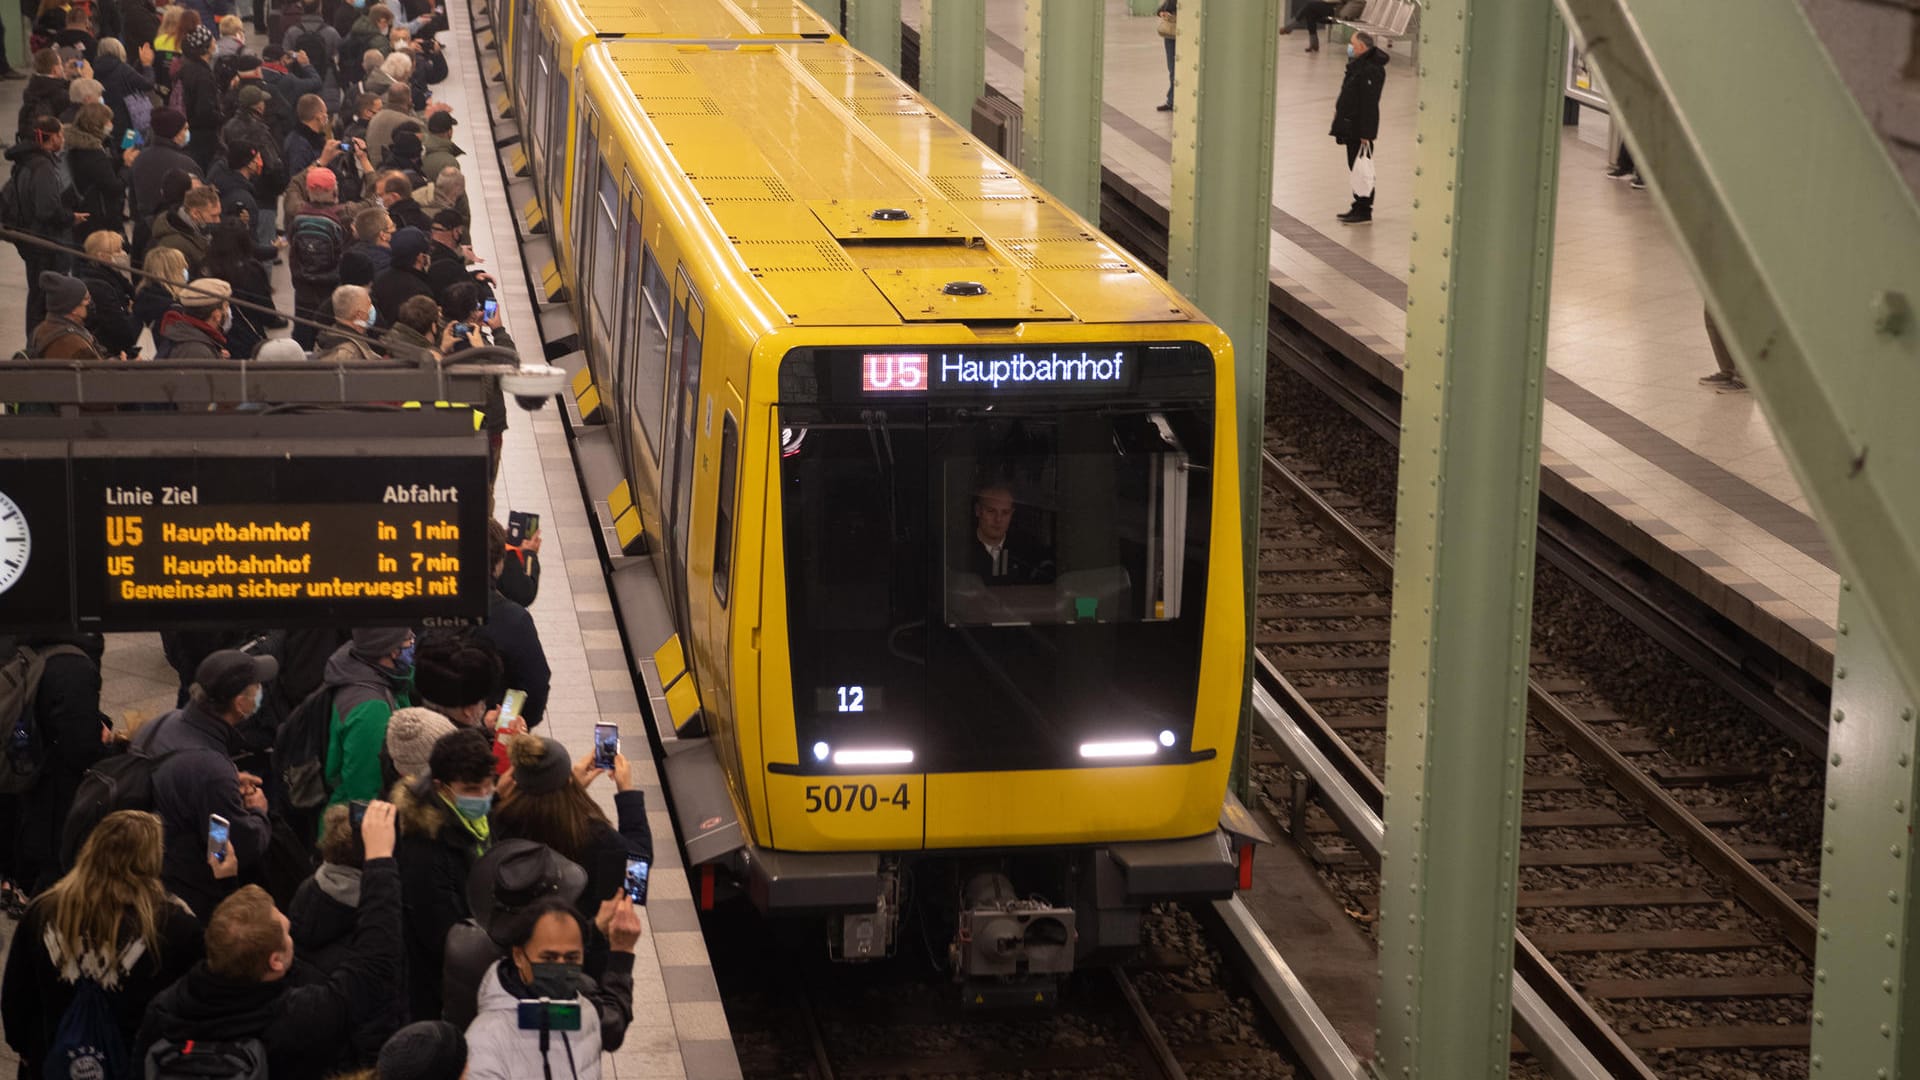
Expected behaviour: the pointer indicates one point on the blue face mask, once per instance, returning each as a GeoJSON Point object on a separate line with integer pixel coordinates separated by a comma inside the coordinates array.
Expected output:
{"type": "Point", "coordinates": [405, 659]}
{"type": "Point", "coordinates": [189, 135]}
{"type": "Point", "coordinates": [373, 315]}
{"type": "Point", "coordinates": [473, 807]}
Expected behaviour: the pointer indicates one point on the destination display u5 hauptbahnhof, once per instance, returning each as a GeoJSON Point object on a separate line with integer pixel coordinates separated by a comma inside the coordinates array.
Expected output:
{"type": "Point", "coordinates": [240, 534]}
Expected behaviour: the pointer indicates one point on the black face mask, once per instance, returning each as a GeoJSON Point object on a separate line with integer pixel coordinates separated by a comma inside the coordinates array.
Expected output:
{"type": "Point", "coordinates": [557, 981]}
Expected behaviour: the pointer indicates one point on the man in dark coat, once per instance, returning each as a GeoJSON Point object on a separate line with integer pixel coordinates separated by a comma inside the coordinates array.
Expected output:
{"type": "Point", "coordinates": [443, 832]}
{"type": "Point", "coordinates": [66, 711]}
{"type": "Point", "coordinates": [1356, 115]}
{"type": "Point", "coordinates": [511, 630]}
{"type": "Point", "coordinates": [322, 918]}
{"type": "Point", "coordinates": [405, 277]}
{"type": "Point", "coordinates": [199, 778]}
{"type": "Point", "coordinates": [46, 204]}
{"type": "Point", "coordinates": [148, 173]}
{"type": "Point", "coordinates": [241, 991]}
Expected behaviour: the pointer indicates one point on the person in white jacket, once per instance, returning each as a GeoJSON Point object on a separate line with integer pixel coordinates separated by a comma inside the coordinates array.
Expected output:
{"type": "Point", "coordinates": [547, 949]}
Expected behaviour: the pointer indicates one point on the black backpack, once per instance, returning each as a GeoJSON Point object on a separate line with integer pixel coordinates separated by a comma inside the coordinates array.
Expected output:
{"type": "Point", "coordinates": [23, 756]}
{"type": "Point", "coordinates": [300, 753]}
{"type": "Point", "coordinates": [121, 782]}
{"type": "Point", "coordinates": [245, 1059]}
{"type": "Point", "coordinates": [315, 243]}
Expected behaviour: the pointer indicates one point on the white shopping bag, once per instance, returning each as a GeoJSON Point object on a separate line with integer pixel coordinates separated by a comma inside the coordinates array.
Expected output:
{"type": "Point", "coordinates": [1363, 173]}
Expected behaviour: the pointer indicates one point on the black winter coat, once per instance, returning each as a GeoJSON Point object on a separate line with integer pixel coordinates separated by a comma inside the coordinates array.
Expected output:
{"type": "Point", "coordinates": [306, 1024]}
{"type": "Point", "coordinates": [510, 628]}
{"type": "Point", "coordinates": [118, 79]}
{"type": "Point", "coordinates": [45, 95]}
{"type": "Point", "coordinates": [111, 320]}
{"type": "Point", "coordinates": [151, 303]}
{"type": "Point", "coordinates": [1356, 115]}
{"type": "Point", "coordinates": [198, 780]}
{"type": "Point", "coordinates": [103, 194]}
{"type": "Point", "coordinates": [250, 283]}
{"type": "Point", "coordinates": [395, 286]}
{"type": "Point", "coordinates": [202, 92]}
{"type": "Point", "coordinates": [436, 854]}
{"type": "Point", "coordinates": [144, 177]}
{"type": "Point", "coordinates": [139, 25]}
{"type": "Point", "coordinates": [33, 996]}
{"type": "Point", "coordinates": [66, 709]}
{"type": "Point", "coordinates": [46, 200]}
{"type": "Point", "coordinates": [321, 919]}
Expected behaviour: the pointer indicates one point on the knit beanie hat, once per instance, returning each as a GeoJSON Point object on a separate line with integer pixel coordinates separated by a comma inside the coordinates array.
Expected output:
{"type": "Point", "coordinates": [540, 766]}
{"type": "Point", "coordinates": [411, 734]}
{"type": "Point", "coordinates": [426, 1050]}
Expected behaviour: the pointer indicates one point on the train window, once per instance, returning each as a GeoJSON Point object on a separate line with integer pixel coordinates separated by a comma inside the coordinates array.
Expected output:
{"type": "Point", "coordinates": [558, 99]}
{"type": "Point", "coordinates": [683, 416]}
{"type": "Point", "coordinates": [650, 363]}
{"type": "Point", "coordinates": [1006, 584]}
{"type": "Point", "coordinates": [586, 152]}
{"type": "Point", "coordinates": [536, 110]}
{"type": "Point", "coordinates": [626, 349]}
{"type": "Point", "coordinates": [723, 512]}
{"type": "Point", "coordinates": [606, 247]}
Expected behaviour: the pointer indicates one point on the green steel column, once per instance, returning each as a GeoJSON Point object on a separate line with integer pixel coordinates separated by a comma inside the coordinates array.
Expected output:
{"type": "Point", "coordinates": [1867, 969]}
{"type": "Point", "coordinates": [1218, 224]}
{"type": "Point", "coordinates": [953, 55]}
{"type": "Point", "coordinates": [1142, 7]}
{"type": "Point", "coordinates": [1485, 156]}
{"type": "Point", "coordinates": [1060, 126]}
{"type": "Point", "coordinates": [873, 26]}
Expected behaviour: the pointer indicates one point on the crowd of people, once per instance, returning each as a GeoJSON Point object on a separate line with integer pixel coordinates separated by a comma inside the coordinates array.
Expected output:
{"type": "Point", "coordinates": [175, 140]}
{"type": "Point", "coordinates": [393, 911]}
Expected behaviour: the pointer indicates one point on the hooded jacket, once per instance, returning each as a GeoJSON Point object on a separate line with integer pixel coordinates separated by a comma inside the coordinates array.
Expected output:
{"type": "Point", "coordinates": [176, 230]}
{"type": "Point", "coordinates": [46, 200]}
{"type": "Point", "coordinates": [321, 919]}
{"type": "Point", "coordinates": [1356, 115]}
{"type": "Point", "coordinates": [364, 698]}
{"type": "Point", "coordinates": [198, 780]}
{"type": "Point", "coordinates": [306, 1025]}
{"type": "Point", "coordinates": [188, 338]}
{"type": "Point", "coordinates": [436, 852]}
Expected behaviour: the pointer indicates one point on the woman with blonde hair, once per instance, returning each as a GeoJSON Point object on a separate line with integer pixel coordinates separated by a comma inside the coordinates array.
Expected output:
{"type": "Point", "coordinates": [167, 270]}
{"type": "Point", "coordinates": [108, 928]}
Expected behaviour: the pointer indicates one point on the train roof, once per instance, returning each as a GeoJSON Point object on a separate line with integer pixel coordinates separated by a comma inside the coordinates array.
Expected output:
{"type": "Point", "coordinates": [706, 20]}
{"type": "Point", "coordinates": [853, 201]}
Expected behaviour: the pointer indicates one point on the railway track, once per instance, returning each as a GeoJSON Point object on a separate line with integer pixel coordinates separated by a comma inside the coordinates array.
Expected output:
{"type": "Point", "coordinates": [1644, 904]}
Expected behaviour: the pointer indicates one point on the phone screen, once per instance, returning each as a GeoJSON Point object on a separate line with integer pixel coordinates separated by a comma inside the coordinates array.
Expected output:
{"type": "Point", "coordinates": [637, 880]}
{"type": "Point", "coordinates": [606, 743]}
{"type": "Point", "coordinates": [217, 837]}
{"type": "Point", "coordinates": [510, 707]}
{"type": "Point", "coordinates": [487, 309]}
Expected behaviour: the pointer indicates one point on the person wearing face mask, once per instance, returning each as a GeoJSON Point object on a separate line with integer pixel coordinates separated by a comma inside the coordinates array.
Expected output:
{"type": "Point", "coordinates": [189, 226]}
{"type": "Point", "coordinates": [1356, 114]}
{"type": "Point", "coordinates": [198, 777]}
{"type": "Point", "coordinates": [249, 995]}
{"type": "Point", "coordinates": [368, 678]}
{"type": "Point", "coordinates": [163, 154]}
{"type": "Point", "coordinates": [459, 675]}
{"type": "Point", "coordinates": [345, 342]}
{"type": "Point", "coordinates": [198, 331]}
{"type": "Point", "coordinates": [543, 962]}
{"type": "Point", "coordinates": [111, 319]}
{"type": "Point", "coordinates": [322, 918]}
{"type": "Point", "coordinates": [444, 831]}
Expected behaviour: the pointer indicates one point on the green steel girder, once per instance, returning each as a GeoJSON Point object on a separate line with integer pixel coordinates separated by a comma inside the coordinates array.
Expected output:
{"type": "Point", "coordinates": [1867, 967]}
{"type": "Point", "coordinates": [1060, 125]}
{"type": "Point", "coordinates": [1806, 243]}
{"type": "Point", "coordinates": [1486, 158]}
{"type": "Point", "coordinates": [873, 27]}
{"type": "Point", "coordinates": [953, 55]}
{"type": "Point", "coordinates": [1218, 225]}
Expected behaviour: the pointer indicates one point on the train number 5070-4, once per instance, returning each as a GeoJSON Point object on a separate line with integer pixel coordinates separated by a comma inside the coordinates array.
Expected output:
{"type": "Point", "coordinates": [847, 798]}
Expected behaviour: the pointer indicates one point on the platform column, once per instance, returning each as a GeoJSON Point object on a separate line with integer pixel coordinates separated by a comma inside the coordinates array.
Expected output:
{"type": "Point", "coordinates": [1218, 223]}
{"type": "Point", "coordinates": [1485, 158]}
{"type": "Point", "coordinates": [873, 26]}
{"type": "Point", "coordinates": [1060, 116]}
{"type": "Point", "coordinates": [953, 55]}
{"type": "Point", "coordinates": [1867, 967]}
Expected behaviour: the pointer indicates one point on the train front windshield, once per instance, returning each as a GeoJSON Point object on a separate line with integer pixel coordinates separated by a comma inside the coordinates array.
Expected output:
{"type": "Point", "coordinates": [996, 575]}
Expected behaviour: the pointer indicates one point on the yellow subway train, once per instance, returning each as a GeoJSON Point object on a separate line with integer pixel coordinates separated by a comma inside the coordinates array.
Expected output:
{"type": "Point", "coordinates": [921, 495]}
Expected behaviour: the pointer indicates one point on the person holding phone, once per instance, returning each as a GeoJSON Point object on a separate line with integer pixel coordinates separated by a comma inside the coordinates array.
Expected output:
{"type": "Point", "coordinates": [548, 803]}
{"type": "Point", "coordinates": [324, 913]}
{"type": "Point", "coordinates": [466, 302]}
{"type": "Point", "coordinates": [198, 781]}
{"type": "Point", "coordinates": [540, 1013]}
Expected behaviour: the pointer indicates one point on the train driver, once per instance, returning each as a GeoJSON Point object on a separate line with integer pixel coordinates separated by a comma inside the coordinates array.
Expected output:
{"type": "Point", "coordinates": [991, 555]}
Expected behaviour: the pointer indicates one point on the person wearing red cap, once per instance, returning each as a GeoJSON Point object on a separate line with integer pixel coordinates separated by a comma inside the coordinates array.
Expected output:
{"type": "Point", "coordinates": [315, 242]}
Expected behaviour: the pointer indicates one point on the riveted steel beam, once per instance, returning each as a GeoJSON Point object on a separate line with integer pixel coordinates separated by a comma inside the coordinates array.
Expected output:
{"type": "Point", "coordinates": [1060, 125]}
{"type": "Point", "coordinates": [1809, 258]}
{"type": "Point", "coordinates": [953, 55]}
{"type": "Point", "coordinates": [1867, 967]}
{"type": "Point", "coordinates": [1486, 157]}
{"type": "Point", "coordinates": [1218, 235]}
{"type": "Point", "coordinates": [873, 26]}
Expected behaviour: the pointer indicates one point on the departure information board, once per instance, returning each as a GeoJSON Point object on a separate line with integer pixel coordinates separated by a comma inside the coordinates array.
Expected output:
{"type": "Point", "coordinates": [263, 540]}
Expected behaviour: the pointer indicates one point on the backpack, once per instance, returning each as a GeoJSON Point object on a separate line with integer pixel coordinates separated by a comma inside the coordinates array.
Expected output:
{"type": "Point", "coordinates": [121, 782]}
{"type": "Point", "coordinates": [87, 1044]}
{"type": "Point", "coordinates": [244, 1059]}
{"type": "Point", "coordinates": [12, 215]}
{"type": "Point", "coordinates": [315, 244]}
{"type": "Point", "coordinates": [300, 752]}
{"type": "Point", "coordinates": [23, 756]}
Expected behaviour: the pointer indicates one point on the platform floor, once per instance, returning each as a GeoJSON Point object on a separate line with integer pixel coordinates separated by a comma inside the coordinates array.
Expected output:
{"type": "Point", "coordinates": [679, 1027]}
{"type": "Point", "coordinates": [1697, 472]}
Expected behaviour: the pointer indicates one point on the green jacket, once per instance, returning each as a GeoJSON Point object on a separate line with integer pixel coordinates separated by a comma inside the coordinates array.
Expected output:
{"type": "Point", "coordinates": [364, 698]}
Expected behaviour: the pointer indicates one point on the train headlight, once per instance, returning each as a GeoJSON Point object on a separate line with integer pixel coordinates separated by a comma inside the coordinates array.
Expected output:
{"type": "Point", "coordinates": [1166, 739]}
{"type": "Point", "coordinates": [886, 756]}
{"type": "Point", "coordinates": [820, 751]}
{"type": "Point", "coordinates": [1119, 748]}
